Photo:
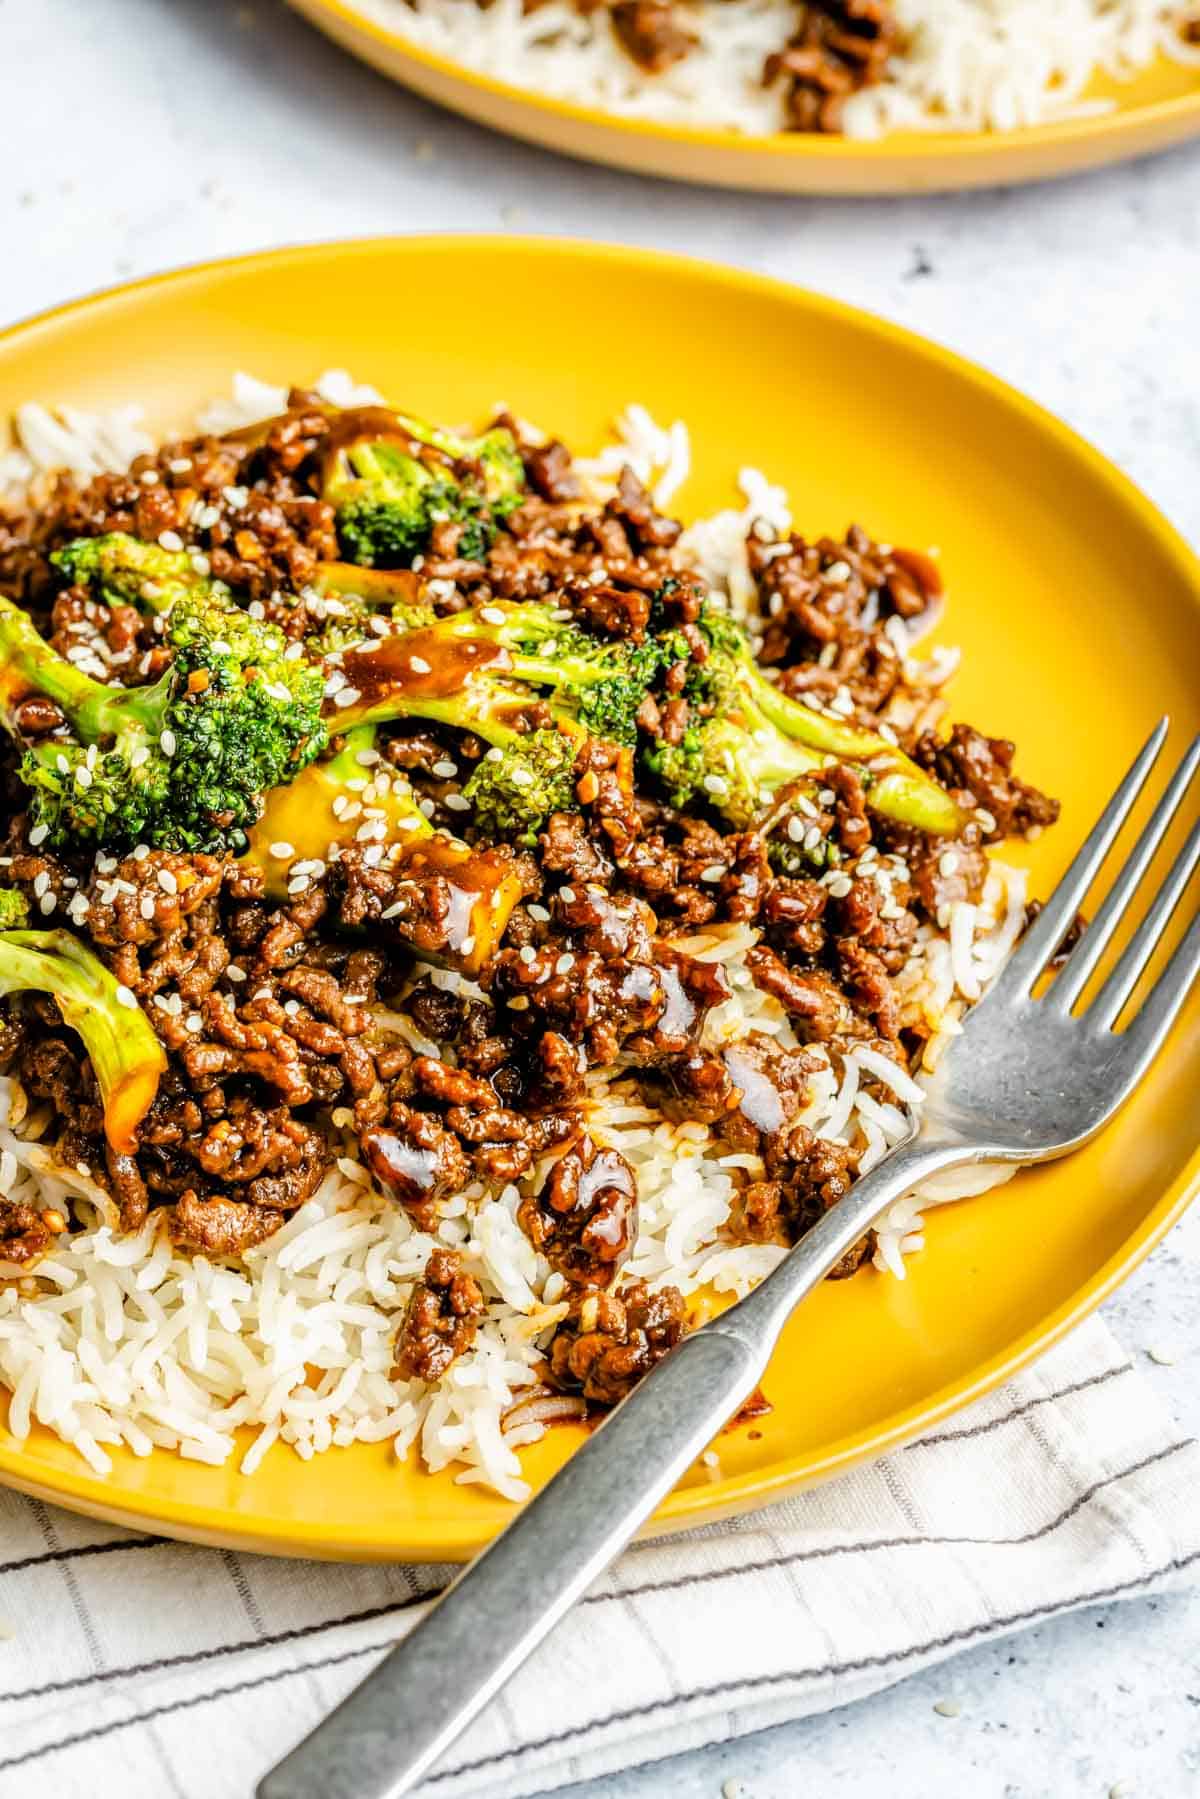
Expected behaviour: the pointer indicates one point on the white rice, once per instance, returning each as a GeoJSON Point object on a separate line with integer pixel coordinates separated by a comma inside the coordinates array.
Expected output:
{"type": "Point", "coordinates": [121, 1340]}
{"type": "Point", "coordinates": [968, 65]}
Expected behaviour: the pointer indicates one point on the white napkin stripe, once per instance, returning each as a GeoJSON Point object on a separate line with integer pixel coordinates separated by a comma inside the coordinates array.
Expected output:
{"type": "Point", "coordinates": [958, 1639]}
{"type": "Point", "coordinates": [264, 1640]}
{"type": "Point", "coordinates": [938, 1437]}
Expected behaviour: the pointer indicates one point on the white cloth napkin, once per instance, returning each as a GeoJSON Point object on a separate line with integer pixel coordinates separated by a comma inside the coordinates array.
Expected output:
{"type": "Point", "coordinates": [146, 1668]}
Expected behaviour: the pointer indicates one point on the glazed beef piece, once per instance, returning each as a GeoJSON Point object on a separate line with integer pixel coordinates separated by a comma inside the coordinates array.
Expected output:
{"type": "Point", "coordinates": [839, 46]}
{"type": "Point", "coordinates": [978, 770]}
{"type": "Point", "coordinates": [443, 1314]}
{"type": "Point", "coordinates": [416, 1159]}
{"type": "Point", "coordinates": [26, 1233]}
{"type": "Point", "coordinates": [219, 1227]}
{"type": "Point", "coordinates": [584, 1221]}
{"type": "Point", "coordinates": [808, 1175]}
{"type": "Point", "coordinates": [609, 1341]}
{"type": "Point", "coordinates": [649, 30]}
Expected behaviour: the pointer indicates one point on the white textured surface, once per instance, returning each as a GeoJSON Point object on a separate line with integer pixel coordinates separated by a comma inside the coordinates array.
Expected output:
{"type": "Point", "coordinates": [144, 133]}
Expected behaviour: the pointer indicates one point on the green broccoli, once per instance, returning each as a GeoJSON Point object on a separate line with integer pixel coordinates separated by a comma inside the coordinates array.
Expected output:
{"type": "Point", "coordinates": [529, 684]}
{"type": "Point", "coordinates": [181, 764]}
{"type": "Point", "coordinates": [14, 909]}
{"type": "Point", "coordinates": [746, 739]}
{"type": "Point", "coordinates": [390, 478]}
{"type": "Point", "coordinates": [124, 571]}
{"type": "Point", "coordinates": [126, 1056]}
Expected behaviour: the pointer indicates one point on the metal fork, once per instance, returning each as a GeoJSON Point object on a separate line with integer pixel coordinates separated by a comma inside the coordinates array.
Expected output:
{"type": "Point", "coordinates": [1027, 1080]}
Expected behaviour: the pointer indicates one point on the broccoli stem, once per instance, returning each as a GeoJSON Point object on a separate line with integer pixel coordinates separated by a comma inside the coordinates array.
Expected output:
{"type": "Point", "coordinates": [28, 665]}
{"type": "Point", "coordinates": [127, 1057]}
{"type": "Point", "coordinates": [899, 791]}
{"type": "Point", "coordinates": [301, 813]}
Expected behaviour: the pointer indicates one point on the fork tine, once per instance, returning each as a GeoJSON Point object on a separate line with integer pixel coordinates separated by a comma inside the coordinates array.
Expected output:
{"type": "Point", "coordinates": [1054, 920]}
{"type": "Point", "coordinates": [1084, 959]}
{"type": "Point", "coordinates": [1107, 1006]}
{"type": "Point", "coordinates": [1146, 1034]}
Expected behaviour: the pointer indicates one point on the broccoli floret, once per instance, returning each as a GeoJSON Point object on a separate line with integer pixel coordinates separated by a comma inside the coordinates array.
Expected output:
{"type": "Point", "coordinates": [124, 571]}
{"type": "Point", "coordinates": [746, 739]}
{"type": "Point", "coordinates": [181, 764]}
{"type": "Point", "coordinates": [126, 1056]}
{"type": "Point", "coordinates": [14, 909]}
{"type": "Point", "coordinates": [354, 597]}
{"type": "Point", "coordinates": [390, 478]}
{"type": "Point", "coordinates": [514, 790]}
{"type": "Point", "coordinates": [506, 674]}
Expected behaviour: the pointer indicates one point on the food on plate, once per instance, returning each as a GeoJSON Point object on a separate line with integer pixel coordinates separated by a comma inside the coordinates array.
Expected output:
{"type": "Point", "coordinates": [456, 922]}
{"type": "Point", "coordinates": [862, 67]}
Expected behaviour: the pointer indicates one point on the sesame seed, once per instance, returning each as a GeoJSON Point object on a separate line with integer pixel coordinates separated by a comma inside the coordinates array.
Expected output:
{"type": "Point", "coordinates": [466, 946]}
{"type": "Point", "coordinates": [948, 862]}
{"type": "Point", "coordinates": [426, 806]}
{"type": "Point", "coordinates": [194, 1022]}
{"type": "Point", "coordinates": [445, 769]}
{"type": "Point", "coordinates": [83, 777]}
{"type": "Point", "coordinates": [146, 905]}
{"type": "Point", "coordinates": [200, 564]}
{"type": "Point", "coordinates": [419, 665]}
{"type": "Point", "coordinates": [347, 696]}
{"type": "Point", "coordinates": [141, 852]}
{"type": "Point", "coordinates": [394, 910]}
{"type": "Point", "coordinates": [167, 881]}
{"type": "Point", "coordinates": [840, 886]}
{"type": "Point", "coordinates": [140, 756]}
{"type": "Point", "coordinates": [521, 777]}
{"type": "Point", "coordinates": [180, 465]}
{"type": "Point", "coordinates": [282, 851]}
{"type": "Point", "coordinates": [713, 872]}
{"type": "Point", "coordinates": [457, 803]}
{"type": "Point", "coordinates": [812, 837]}
{"type": "Point", "coordinates": [493, 755]}
{"type": "Point", "coordinates": [539, 913]}
{"type": "Point", "coordinates": [170, 540]}
{"type": "Point", "coordinates": [299, 885]}
{"type": "Point", "coordinates": [527, 954]}
{"type": "Point", "coordinates": [716, 784]}
{"type": "Point", "coordinates": [491, 615]}
{"type": "Point", "coordinates": [367, 758]}
{"type": "Point", "coordinates": [948, 1708]}
{"type": "Point", "coordinates": [565, 961]}
{"type": "Point", "coordinates": [567, 895]}
{"type": "Point", "coordinates": [126, 998]}
{"type": "Point", "coordinates": [41, 883]}
{"type": "Point", "coordinates": [48, 902]}
{"type": "Point", "coordinates": [983, 816]}
{"type": "Point", "coordinates": [149, 477]}
{"type": "Point", "coordinates": [292, 1008]}
{"type": "Point", "coordinates": [838, 572]}
{"type": "Point", "coordinates": [796, 828]}
{"type": "Point", "coordinates": [166, 743]}
{"type": "Point", "coordinates": [38, 835]}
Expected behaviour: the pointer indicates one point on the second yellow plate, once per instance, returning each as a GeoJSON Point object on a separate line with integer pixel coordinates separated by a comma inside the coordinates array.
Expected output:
{"type": "Point", "coordinates": [1078, 611]}
{"type": "Point", "coordinates": [1159, 108]}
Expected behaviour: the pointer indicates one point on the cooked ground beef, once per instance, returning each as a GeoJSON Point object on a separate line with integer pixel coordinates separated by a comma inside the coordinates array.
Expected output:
{"type": "Point", "coordinates": [440, 1322]}
{"type": "Point", "coordinates": [277, 1010]}
{"type": "Point", "coordinates": [610, 1340]}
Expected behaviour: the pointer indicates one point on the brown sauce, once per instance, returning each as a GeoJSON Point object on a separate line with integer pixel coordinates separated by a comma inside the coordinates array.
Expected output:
{"type": "Point", "coordinates": [424, 664]}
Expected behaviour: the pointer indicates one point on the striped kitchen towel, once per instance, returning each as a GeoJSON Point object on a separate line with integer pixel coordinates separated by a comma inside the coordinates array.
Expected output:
{"type": "Point", "coordinates": [132, 1665]}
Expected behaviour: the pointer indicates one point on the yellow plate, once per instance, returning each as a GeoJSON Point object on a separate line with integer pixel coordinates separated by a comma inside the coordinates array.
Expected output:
{"type": "Point", "coordinates": [1078, 610]}
{"type": "Point", "coordinates": [1160, 107]}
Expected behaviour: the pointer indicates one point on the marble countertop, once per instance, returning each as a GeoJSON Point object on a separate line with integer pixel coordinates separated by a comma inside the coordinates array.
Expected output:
{"type": "Point", "coordinates": [142, 134]}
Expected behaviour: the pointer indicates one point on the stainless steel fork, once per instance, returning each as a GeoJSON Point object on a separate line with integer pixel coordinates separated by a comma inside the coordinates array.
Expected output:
{"type": "Point", "coordinates": [1027, 1080]}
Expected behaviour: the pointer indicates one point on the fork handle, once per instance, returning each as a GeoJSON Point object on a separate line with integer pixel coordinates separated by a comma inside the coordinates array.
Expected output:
{"type": "Point", "coordinates": [394, 1726]}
